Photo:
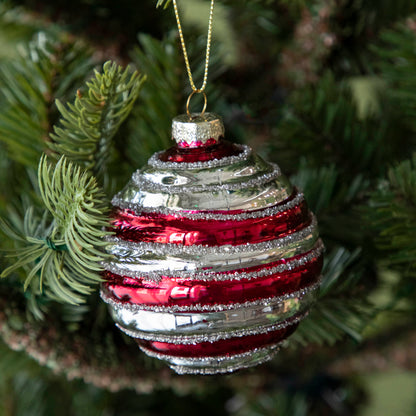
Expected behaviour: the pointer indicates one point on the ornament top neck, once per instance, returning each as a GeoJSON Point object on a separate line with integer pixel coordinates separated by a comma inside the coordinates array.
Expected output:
{"type": "Point", "coordinates": [196, 130]}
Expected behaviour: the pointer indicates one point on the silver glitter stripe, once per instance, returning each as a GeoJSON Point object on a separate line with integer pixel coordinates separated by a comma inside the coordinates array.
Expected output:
{"type": "Point", "coordinates": [203, 250]}
{"type": "Point", "coordinates": [267, 212]}
{"type": "Point", "coordinates": [249, 199]}
{"type": "Point", "coordinates": [146, 185]}
{"type": "Point", "coordinates": [197, 307]}
{"type": "Point", "coordinates": [195, 339]}
{"type": "Point", "coordinates": [192, 323]}
{"type": "Point", "coordinates": [210, 276]}
{"type": "Point", "coordinates": [139, 260]}
{"type": "Point", "coordinates": [155, 162]}
{"type": "Point", "coordinates": [181, 370]}
{"type": "Point", "coordinates": [216, 365]}
{"type": "Point", "coordinates": [208, 360]}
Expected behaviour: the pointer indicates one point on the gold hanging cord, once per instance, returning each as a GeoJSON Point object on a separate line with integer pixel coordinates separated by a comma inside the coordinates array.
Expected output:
{"type": "Point", "coordinates": [196, 90]}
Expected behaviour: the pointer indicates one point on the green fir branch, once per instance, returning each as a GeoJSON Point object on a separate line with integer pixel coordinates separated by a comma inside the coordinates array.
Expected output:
{"type": "Point", "coordinates": [322, 121]}
{"type": "Point", "coordinates": [48, 67]}
{"type": "Point", "coordinates": [396, 62]}
{"type": "Point", "coordinates": [392, 215]}
{"type": "Point", "coordinates": [88, 126]}
{"type": "Point", "coordinates": [63, 259]}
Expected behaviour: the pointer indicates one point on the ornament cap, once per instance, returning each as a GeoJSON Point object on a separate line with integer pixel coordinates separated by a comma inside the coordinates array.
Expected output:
{"type": "Point", "coordinates": [197, 130]}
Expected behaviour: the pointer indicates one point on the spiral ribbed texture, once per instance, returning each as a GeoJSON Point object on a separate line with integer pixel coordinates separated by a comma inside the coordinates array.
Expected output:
{"type": "Point", "coordinates": [217, 259]}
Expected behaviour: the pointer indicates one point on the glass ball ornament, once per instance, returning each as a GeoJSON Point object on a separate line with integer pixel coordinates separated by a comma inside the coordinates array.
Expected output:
{"type": "Point", "coordinates": [216, 257]}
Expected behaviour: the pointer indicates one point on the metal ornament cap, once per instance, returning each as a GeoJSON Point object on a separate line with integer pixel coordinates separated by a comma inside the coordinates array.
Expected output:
{"type": "Point", "coordinates": [196, 130]}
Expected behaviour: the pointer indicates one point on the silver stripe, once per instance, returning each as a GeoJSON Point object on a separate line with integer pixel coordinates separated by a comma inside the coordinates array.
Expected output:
{"type": "Point", "coordinates": [232, 175]}
{"type": "Point", "coordinates": [267, 212]}
{"type": "Point", "coordinates": [207, 308]}
{"type": "Point", "coordinates": [206, 360]}
{"type": "Point", "coordinates": [210, 276]}
{"type": "Point", "coordinates": [203, 250]}
{"type": "Point", "coordinates": [222, 200]}
{"type": "Point", "coordinates": [218, 364]}
{"type": "Point", "coordinates": [155, 162]}
{"type": "Point", "coordinates": [146, 185]}
{"type": "Point", "coordinates": [131, 259]}
{"type": "Point", "coordinates": [179, 323]}
{"type": "Point", "coordinates": [229, 369]}
{"type": "Point", "coordinates": [251, 168]}
{"type": "Point", "coordinates": [153, 265]}
{"type": "Point", "coordinates": [199, 338]}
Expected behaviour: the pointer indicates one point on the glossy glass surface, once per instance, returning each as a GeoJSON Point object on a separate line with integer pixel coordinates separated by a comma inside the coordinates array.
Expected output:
{"type": "Point", "coordinates": [172, 291]}
{"type": "Point", "coordinates": [231, 187]}
{"type": "Point", "coordinates": [158, 228]}
{"type": "Point", "coordinates": [245, 199]}
{"type": "Point", "coordinates": [185, 153]}
{"type": "Point", "coordinates": [218, 364]}
{"type": "Point", "coordinates": [136, 260]}
{"type": "Point", "coordinates": [249, 168]}
{"type": "Point", "coordinates": [159, 324]}
{"type": "Point", "coordinates": [223, 347]}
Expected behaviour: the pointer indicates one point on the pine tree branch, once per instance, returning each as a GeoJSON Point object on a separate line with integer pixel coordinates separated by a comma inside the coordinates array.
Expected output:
{"type": "Point", "coordinates": [64, 258]}
{"type": "Point", "coordinates": [60, 256]}
{"type": "Point", "coordinates": [392, 215]}
{"type": "Point", "coordinates": [396, 62]}
{"type": "Point", "coordinates": [48, 67]}
{"type": "Point", "coordinates": [88, 126]}
{"type": "Point", "coordinates": [322, 122]}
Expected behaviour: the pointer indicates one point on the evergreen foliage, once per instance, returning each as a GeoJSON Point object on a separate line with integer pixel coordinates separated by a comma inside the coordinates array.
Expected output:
{"type": "Point", "coordinates": [47, 68]}
{"type": "Point", "coordinates": [396, 63]}
{"type": "Point", "coordinates": [63, 256]}
{"type": "Point", "coordinates": [323, 122]}
{"type": "Point", "coordinates": [88, 126]}
{"type": "Point", "coordinates": [61, 249]}
{"type": "Point", "coordinates": [331, 97]}
{"type": "Point", "coordinates": [392, 216]}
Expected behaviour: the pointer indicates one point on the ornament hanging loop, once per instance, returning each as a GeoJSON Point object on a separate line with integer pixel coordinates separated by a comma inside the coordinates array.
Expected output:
{"type": "Point", "coordinates": [196, 90]}
{"type": "Point", "coordinates": [188, 101]}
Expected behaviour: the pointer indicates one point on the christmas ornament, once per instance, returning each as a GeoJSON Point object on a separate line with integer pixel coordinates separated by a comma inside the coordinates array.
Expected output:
{"type": "Point", "coordinates": [216, 256]}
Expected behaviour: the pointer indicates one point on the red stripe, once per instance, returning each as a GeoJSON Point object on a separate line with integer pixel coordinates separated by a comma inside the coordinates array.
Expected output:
{"type": "Point", "coordinates": [210, 151]}
{"type": "Point", "coordinates": [158, 228]}
{"type": "Point", "coordinates": [228, 347]}
{"type": "Point", "coordinates": [186, 292]}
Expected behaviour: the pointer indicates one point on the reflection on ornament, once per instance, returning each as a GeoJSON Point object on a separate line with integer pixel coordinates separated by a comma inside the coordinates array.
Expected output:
{"type": "Point", "coordinates": [216, 256]}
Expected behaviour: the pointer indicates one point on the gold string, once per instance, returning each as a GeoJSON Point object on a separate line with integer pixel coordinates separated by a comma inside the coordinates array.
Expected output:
{"type": "Point", "coordinates": [185, 54]}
